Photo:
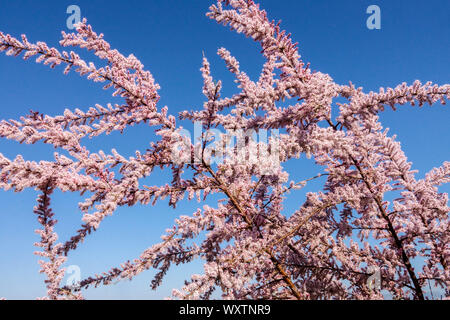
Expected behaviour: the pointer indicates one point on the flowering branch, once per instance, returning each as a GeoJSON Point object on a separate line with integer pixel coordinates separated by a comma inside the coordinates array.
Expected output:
{"type": "Point", "coordinates": [251, 249]}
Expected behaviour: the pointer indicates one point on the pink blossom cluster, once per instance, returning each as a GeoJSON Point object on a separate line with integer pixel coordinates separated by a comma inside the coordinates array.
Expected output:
{"type": "Point", "coordinates": [251, 249]}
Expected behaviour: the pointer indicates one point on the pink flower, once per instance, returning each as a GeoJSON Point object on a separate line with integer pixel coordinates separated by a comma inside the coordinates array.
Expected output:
{"type": "Point", "coordinates": [328, 248]}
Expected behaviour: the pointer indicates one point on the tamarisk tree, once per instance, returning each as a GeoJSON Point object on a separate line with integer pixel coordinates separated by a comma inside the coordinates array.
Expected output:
{"type": "Point", "coordinates": [326, 249]}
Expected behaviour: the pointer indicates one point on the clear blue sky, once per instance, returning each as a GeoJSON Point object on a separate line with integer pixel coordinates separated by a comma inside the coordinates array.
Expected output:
{"type": "Point", "coordinates": [169, 37]}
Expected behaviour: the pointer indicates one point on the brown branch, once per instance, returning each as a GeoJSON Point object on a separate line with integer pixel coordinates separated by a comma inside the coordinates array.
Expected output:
{"type": "Point", "coordinates": [397, 241]}
{"type": "Point", "coordinates": [242, 212]}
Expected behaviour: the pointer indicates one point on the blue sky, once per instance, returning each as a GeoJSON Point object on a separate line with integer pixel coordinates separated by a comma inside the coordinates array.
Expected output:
{"type": "Point", "coordinates": [169, 37]}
